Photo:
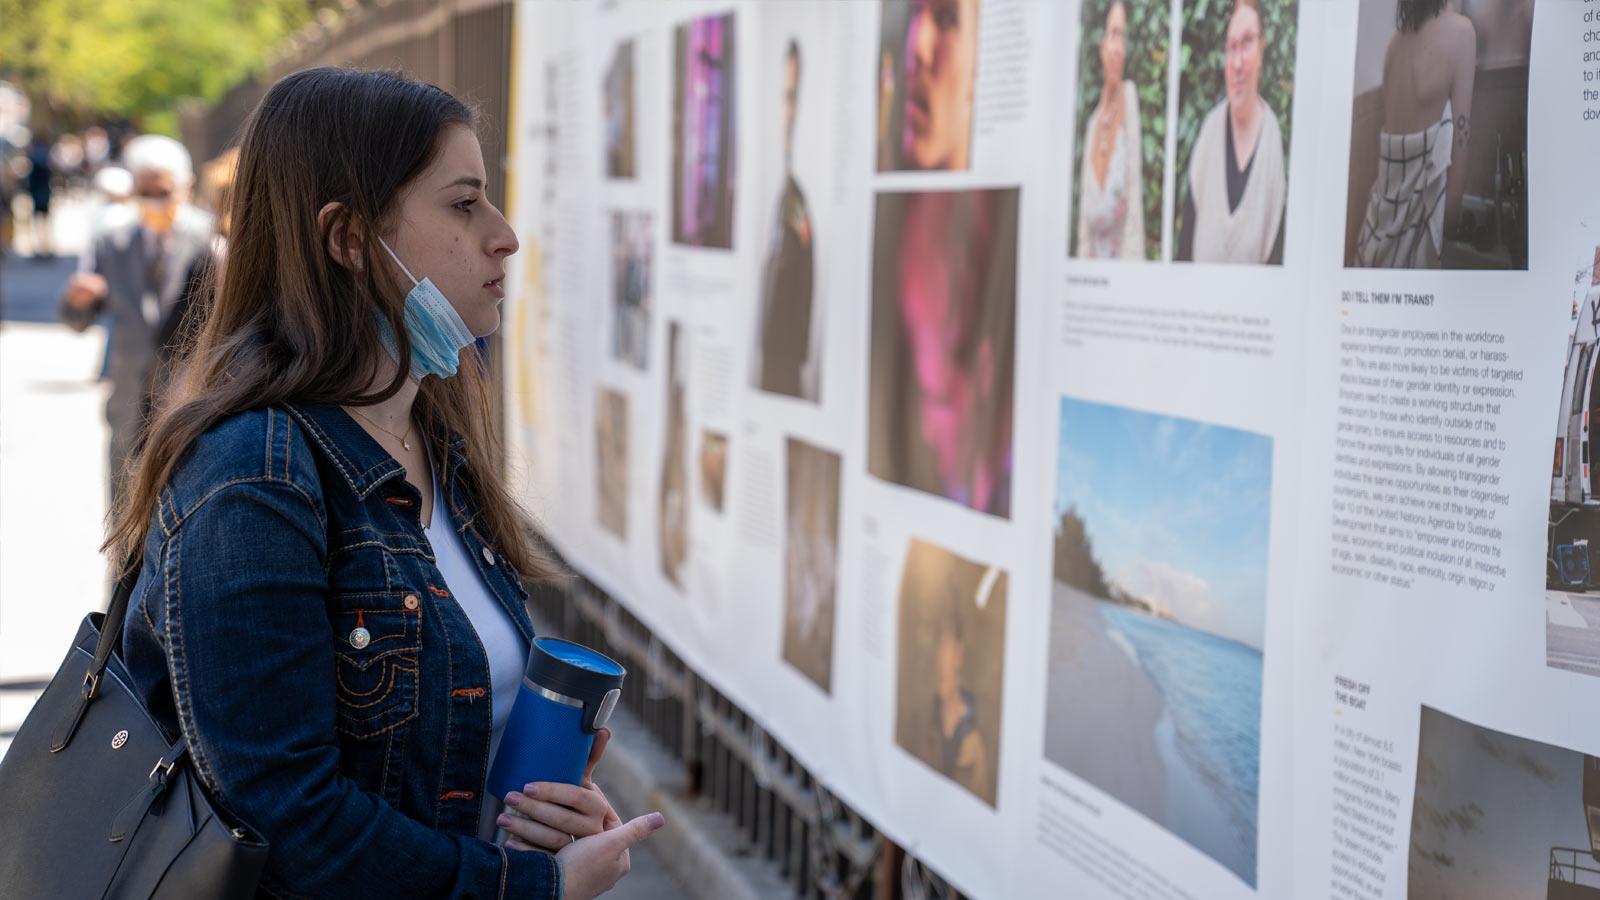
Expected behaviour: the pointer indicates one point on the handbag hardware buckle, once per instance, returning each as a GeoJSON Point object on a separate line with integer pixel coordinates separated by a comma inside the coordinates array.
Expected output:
{"type": "Point", "coordinates": [91, 685]}
{"type": "Point", "coordinates": [165, 767]}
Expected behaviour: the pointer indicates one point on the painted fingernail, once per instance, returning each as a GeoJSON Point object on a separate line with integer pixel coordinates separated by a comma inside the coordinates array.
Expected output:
{"type": "Point", "coordinates": [657, 820]}
{"type": "Point", "coordinates": [511, 798]}
{"type": "Point", "coordinates": [503, 820]}
{"type": "Point", "coordinates": [533, 790]}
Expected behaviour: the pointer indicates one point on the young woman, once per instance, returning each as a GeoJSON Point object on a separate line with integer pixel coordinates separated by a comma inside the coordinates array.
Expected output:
{"type": "Point", "coordinates": [1110, 182]}
{"type": "Point", "coordinates": [329, 609]}
{"type": "Point", "coordinates": [1428, 72]}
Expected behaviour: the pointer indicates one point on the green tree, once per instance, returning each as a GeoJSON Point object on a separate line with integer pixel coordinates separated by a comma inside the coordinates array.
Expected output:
{"type": "Point", "coordinates": [1075, 564]}
{"type": "Point", "coordinates": [138, 58]}
{"type": "Point", "coordinates": [1148, 49]}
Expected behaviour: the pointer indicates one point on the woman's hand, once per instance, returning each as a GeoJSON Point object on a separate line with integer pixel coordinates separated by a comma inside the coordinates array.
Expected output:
{"type": "Point", "coordinates": [593, 865]}
{"type": "Point", "coordinates": [549, 815]}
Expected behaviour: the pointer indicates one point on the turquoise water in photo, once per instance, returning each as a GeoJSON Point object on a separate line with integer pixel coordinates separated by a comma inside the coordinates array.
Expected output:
{"type": "Point", "coordinates": [1211, 688]}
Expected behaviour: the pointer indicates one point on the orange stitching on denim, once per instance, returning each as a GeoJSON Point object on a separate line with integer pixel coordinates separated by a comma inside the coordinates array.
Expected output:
{"type": "Point", "coordinates": [438, 592]}
{"type": "Point", "coordinates": [387, 687]}
{"type": "Point", "coordinates": [505, 865]}
{"type": "Point", "coordinates": [457, 795]}
{"type": "Point", "coordinates": [469, 693]}
{"type": "Point", "coordinates": [266, 464]}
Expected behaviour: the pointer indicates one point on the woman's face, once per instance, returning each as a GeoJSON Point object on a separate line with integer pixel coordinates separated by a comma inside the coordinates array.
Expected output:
{"type": "Point", "coordinates": [447, 230]}
{"type": "Point", "coordinates": [1244, 48]}
{"type": "Point", "coordinates": [941, 58]}
{"type": "Point", "coordinates": [1114, 46]}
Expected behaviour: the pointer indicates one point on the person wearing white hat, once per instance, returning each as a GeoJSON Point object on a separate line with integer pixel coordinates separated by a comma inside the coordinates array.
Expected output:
{"type": "Point", "coordinates": [139, 270]}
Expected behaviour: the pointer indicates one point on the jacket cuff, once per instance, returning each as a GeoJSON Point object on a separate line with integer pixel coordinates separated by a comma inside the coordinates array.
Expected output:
{"type": "Point", "coordinates": [533, 874]}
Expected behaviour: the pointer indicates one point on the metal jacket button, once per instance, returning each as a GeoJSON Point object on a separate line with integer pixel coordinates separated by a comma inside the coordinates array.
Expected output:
{"type": "Point", "coordinates": [488, 556]}
{"type": "Point", "coordinates": [360, 638]}
{"type": "Point", "coordinates": [411, 601]}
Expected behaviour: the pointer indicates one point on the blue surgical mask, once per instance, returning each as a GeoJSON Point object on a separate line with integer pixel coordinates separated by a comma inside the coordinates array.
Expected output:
{"type": "Point", "coordinates": [437, 332]}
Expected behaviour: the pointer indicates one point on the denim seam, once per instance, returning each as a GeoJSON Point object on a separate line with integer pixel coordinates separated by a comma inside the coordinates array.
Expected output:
{"type": "Point", "coordinates": [388, 688]}
{"type": "Point", "coordinates": [449, 716]}
{"type": "Point", "coordinates": [250, 479]}
{"type": "Point", "coordinates": [266, 463]}
{"type": "Point", "coordinates": [288, 445]}
{"type": "Point", "coordinates": [179, 666]}
{"type": "Point", "coordinates": [505, 866]}
{"type": "Point", "coordinates": [339, 460]}
{"type": "Point", "coordinates": [346, 464]}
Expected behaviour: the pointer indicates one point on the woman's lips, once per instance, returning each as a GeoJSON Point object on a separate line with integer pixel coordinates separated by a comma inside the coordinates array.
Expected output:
{"type": "Point", "coordinates": [497, 287]}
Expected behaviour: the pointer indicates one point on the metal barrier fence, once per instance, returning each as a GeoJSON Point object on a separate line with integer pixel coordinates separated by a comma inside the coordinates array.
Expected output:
{"type": "Point", "coordinates": [821, 847]}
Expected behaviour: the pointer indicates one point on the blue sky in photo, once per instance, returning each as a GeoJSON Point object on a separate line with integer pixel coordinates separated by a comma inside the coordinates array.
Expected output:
{"type": "Point", "coordinates": [1178, 511]}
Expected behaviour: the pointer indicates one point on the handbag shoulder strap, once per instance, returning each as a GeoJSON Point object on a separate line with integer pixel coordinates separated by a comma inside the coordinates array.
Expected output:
{"type": "Point", "coordinates": [110, 639]}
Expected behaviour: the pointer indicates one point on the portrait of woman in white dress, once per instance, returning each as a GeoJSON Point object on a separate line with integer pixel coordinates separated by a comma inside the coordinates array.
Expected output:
{"type": "Point", "coordinates": [1110, 221]}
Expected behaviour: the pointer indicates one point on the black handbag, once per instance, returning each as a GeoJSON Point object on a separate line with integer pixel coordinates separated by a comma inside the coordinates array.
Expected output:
{"type": "Point", "coordinates": [96, 802]}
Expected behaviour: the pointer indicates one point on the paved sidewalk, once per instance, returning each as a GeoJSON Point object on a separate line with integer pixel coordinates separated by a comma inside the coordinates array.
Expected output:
{"type": "Point", "coordinates": [52, 483]}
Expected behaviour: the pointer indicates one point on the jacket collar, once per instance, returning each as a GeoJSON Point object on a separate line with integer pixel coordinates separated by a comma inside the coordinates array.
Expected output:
{"type": "Point", "coordinates": [362, 461]}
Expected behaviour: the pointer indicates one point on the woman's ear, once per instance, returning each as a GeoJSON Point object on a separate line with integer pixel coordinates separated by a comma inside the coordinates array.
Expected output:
{"type": "Point", "coordinates": [343, 235]}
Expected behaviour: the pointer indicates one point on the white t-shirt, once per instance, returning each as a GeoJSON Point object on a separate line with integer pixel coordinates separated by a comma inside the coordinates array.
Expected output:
{"type": "Point", "coordinates": [502, 641]}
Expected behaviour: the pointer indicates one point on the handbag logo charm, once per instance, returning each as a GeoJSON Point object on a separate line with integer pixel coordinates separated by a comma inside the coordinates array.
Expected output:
{"type": "Point", "coordinates": [119, 739]}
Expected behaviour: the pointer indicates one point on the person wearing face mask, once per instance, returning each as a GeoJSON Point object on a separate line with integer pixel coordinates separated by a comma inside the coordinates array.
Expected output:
{"type": "Point", "coordinates": [1237, 183]}
{"type": "Point", "coordinates": [143, 263]}
{"type": "Point", "coordinates": [328, 566]}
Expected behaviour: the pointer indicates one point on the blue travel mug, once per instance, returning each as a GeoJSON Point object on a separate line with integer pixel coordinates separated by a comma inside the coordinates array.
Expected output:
{"type": "Point", "coordinates": [568, 692]}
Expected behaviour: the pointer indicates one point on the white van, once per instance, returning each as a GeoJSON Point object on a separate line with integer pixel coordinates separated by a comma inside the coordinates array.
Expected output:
{"type": "Point", "coordinates": [1574, 504]}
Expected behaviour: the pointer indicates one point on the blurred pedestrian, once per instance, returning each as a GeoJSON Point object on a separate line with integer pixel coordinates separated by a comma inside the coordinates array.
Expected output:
{"type": "Point", "coordinates": [41, 185]}
{"type": "Point", "coordinates": [141, 269]}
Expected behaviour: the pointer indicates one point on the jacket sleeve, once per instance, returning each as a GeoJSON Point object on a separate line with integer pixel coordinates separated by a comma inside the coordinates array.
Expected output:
{"type": "Point", "coordinates": [251, 660]}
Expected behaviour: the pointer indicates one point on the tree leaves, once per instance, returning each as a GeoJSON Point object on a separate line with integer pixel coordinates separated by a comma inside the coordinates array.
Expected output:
{"type": "Point", "coordinates": [138, 58]}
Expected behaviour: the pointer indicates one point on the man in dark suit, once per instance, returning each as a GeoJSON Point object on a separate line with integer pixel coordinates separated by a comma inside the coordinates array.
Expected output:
{"type": "Point", "coordinates": [141, 269]}
{"type": "Point", "coordinates": [785, 361]}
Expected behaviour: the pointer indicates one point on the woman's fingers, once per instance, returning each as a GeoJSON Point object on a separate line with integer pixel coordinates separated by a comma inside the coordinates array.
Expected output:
{"type": "Point", "coordinates": [611, 819]}
{"type": "Point", "coordinates": [597, 750]}
{"type": "Point", "coordinates": [536, 835]}
{"type": "Point", "coordinates": [558, 816]}
{"type": "Point", "coordinates": [581, 799]}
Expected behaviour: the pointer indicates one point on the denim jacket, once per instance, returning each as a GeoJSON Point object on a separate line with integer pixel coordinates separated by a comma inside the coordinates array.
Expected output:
{"type": "Point", "coordinates": [291, 623]}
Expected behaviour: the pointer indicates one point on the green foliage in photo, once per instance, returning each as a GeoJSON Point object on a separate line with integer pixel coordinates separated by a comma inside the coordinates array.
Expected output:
{"type": "Point", "coordinates": [1201, 81]}
{"type": "Point", "coordinates": [1148, 47]}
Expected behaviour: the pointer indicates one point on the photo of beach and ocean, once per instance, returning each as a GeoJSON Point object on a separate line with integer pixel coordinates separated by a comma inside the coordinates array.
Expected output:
{"type": "Point", "coordinates": [1158, 617]}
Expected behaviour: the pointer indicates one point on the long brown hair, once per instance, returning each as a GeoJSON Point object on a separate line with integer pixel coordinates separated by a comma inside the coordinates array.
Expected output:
{"type": "Point", "coordinates": [286, 323]}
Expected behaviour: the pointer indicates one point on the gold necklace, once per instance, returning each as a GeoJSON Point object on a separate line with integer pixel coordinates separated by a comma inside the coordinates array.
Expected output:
{"type": "Point", "coordinates": [399, 437]}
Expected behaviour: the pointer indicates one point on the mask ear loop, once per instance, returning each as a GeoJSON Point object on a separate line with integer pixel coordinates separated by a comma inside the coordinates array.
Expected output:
{"type": "Point", "coordinates": [397, 262]}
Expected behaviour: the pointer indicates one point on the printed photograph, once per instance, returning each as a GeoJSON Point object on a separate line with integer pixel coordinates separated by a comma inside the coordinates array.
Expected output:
{"type": "Point", "coordinates": [787, 347]}
{"type": "Point", "coordinates": [1121, 128]}
{"type": "Point", "coordinates": [672, 503]}
{"type": "Point", "coordinates": [1501, 817]}
{"type": "Point", "coordinates": [632, 249]}
{"type": "Point", "coordinates": [1235, 98]}
{"type": "Point", "coordinates": [927, 81]}
{"type": "Point", "coordinates": [611, 454]}
{"type": "Point", "coordinates": [713, 469]}
{"type": "Point", "coordinates": [1439, 135]}
{"type": "Point", "coordinates": [944, 286]}
{"type": "Point", "coordinates": [952, 659]}
{"type": "Point", "coordinates": [703, 133]}
{"type": "Point", "coordinates": [1572, 576]}
{"type": "Point", "coordinates": [810, 561]}
{"type": "Point", "coordinates": [619, 114]}
{"type": "Point", "coordinates": [1158, 619]}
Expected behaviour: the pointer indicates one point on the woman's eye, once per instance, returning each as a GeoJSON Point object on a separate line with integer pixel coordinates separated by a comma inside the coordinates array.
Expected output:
{"type": "Point", "coordinates": [465, 205]}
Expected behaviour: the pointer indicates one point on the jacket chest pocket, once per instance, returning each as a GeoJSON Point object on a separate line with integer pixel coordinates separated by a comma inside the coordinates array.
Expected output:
{"type": "Point", "coordinates": [377, 645]}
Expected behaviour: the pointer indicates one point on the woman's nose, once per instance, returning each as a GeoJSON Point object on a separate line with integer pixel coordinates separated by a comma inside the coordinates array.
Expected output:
{"type": "Point", "coordinates": [503, 241]}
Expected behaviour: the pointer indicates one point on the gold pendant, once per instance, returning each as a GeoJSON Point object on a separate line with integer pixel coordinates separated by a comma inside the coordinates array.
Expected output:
{"type": "Point", "coordinates": [406, 444]}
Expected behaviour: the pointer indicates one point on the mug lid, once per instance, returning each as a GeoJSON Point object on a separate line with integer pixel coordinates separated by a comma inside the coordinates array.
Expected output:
{"type": "Point", "coordinates": [573, 670]}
